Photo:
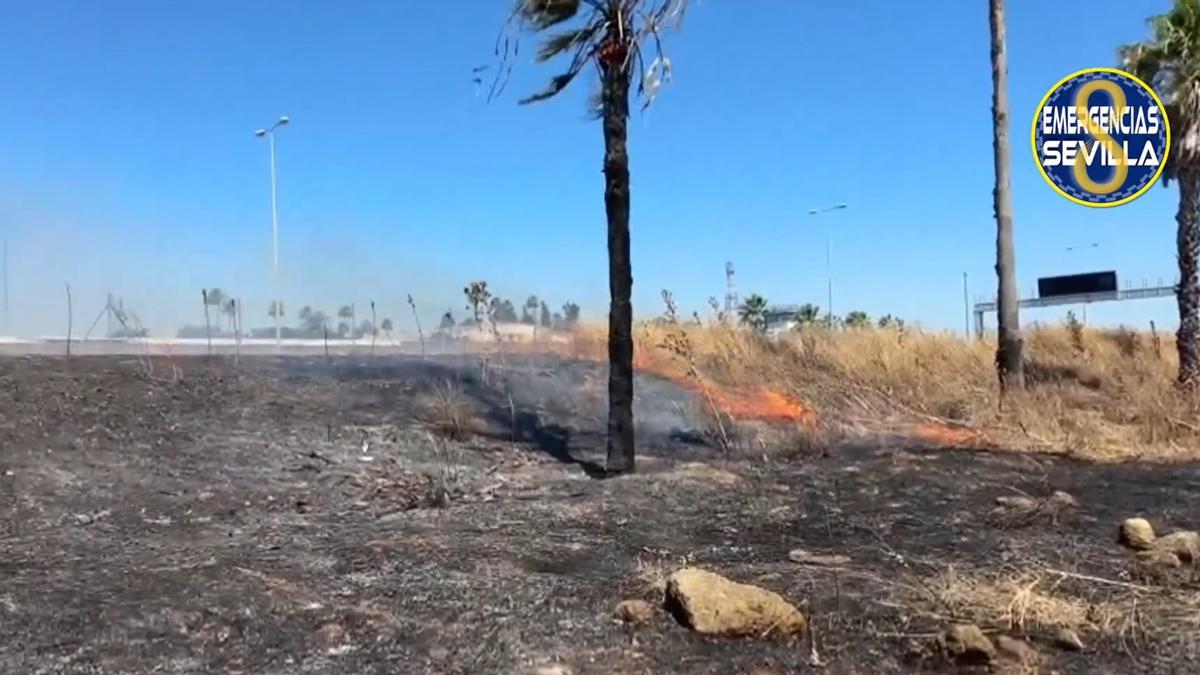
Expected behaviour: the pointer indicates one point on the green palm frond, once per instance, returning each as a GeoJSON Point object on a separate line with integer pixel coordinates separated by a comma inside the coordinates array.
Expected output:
{"type": "Point", "coordinates": [1169, 61]}
{"type": "Point", "coordinates": [539, 15]}
{"type": "Point", "coordinates": [563, 42]}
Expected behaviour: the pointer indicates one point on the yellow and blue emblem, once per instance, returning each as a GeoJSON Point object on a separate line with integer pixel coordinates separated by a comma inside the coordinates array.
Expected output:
{"type": "Point", "coordinates": [1101, 137]}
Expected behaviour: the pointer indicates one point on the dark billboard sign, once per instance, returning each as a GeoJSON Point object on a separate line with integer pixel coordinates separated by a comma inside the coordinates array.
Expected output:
{"type": "Point", "coordinates": [1077, 284]}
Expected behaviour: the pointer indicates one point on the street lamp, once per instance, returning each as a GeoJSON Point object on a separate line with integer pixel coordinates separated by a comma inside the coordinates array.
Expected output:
{"type": "Point", "coordinates": [278, 305]}
{"type": "Point", "coordinates": [828, 254]}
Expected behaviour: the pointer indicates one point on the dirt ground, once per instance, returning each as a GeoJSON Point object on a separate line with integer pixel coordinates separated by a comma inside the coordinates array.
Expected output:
{"type": "Point", "coordinates": [399, 515]}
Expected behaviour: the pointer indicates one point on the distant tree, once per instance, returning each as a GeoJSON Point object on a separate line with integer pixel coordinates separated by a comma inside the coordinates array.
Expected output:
{"type": "Point", "coordinates": [570, 314]}
{"type": "Point", "coordinates": [343, 329]}
{"type": "Point", "coordinates": [346, 313]}
{"type": "Point", "coordinates": [216, 299]}
{"type": "Point", "coordinates": [557, 321]}
{"type": "Point", "coordinates": [529, 312]}
{"type": "Point", "coordinates": [230, 310]}
{"type": "Point", "coordinates": [716, 308]}
{"type": "Point", "coordinates": [479, 299]}
{"type": "Point", "coordinates": [889, 321]}
{"type": "Point", "coordinates": [753, 312]}
{"type": "Point", "coordinates": [545, 317]}
{"type": "Point", "coordinates": [808, 314]}
{"type": "Point", "coordinates": [276, 309]}
{"type": "Point", "coordinates": [503, 311]}
{"type": "Point", "coordinates": [857, 319]}
{"type": "Point", "coordinates": [833, 321]}
{"type": "Point", "coordinates": [364, 328]}
{"type": "Point", "coordinates": [447, 322]}
{"type": "Point", "coordinates": [386, 327]}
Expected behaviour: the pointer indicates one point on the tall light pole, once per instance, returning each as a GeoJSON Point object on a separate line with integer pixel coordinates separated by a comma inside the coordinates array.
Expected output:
{"type": "Point", "coordinates": [277, 304]}
{"type": "Point", "coordinates": [828, 254]}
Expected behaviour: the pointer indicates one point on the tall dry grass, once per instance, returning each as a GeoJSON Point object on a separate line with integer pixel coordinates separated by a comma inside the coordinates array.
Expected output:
{"type": "Point", "coordinates": [1098, 394]}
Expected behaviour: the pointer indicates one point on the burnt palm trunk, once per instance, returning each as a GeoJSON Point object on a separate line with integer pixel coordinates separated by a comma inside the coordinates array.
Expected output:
{"type": "Point", "coordinates": [1009, 364]}
{"type": "Point", "coordinates": [615, 98]}
{"type": "Point", "coordinates": [1188, 245]}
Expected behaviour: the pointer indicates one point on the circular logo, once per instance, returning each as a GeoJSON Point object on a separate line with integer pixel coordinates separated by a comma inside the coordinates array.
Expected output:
{"type": "Point", "coordinates": [1101, 137]}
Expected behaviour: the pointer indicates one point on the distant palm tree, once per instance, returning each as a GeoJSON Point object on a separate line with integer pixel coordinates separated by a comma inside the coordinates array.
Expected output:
{"type": "Point", "coordinates": [608, 34]}
{"type": "Point", "coordinates": [1170, 62]}
{"type": "Point", "coordinates": [216, 298]}
{"type": "Point", "coordinates": [857, 319]}
{"type": "Point", "coordinates": [346, 314]}
{"type": "Point", "coordinates": [753, 312]}
{"type": "Point", "coordinates": [808, 314]}
{"type": "Point", "coordinates": [1009, 361]}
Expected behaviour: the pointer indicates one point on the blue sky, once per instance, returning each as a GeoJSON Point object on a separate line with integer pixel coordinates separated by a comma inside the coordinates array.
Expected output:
{"type": "Point", "coordinates": [129, 164]}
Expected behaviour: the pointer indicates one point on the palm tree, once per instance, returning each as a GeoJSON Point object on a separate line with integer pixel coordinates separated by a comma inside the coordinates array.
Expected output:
{"type": "Point", "coordinates": [346, 313]}
{"type": "Point", "coordinates": [857, 319]}
{"type": "Point", "coordinates": [1009, 362]}
{"type": "Point", "coordinates": [216, 298]}
{"type": "Point", "coordinates": [808, 314]}
{"type": "Point", "coordinates": [609, 34]}
{"type": "Point", "coordinates": [753, 312]}
{"type": "Point", "coordinates": [1170, 63]}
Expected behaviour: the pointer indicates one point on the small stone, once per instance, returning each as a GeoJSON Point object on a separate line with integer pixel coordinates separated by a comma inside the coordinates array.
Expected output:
{"type": "Point", "coordinates": [803, 557]}
{"type": "Point", "coordinates": [634, 611]}
{"type": "Point", "coordinates": [711, 604]}
{"type": "Point", "coordinates": [1017, 503]}
{"type": "Point", "coordinates": [439, 654]}
{"type": "Point", "coordinates": [1157, 558]}
{"type": "Point", "coordinates": [1017, 650]}
{"type": "Point", "coordinates": [1065, 638]}
{"type": "Point", "coordinates": [1136, 533]}
{"type": "Point", "coordinates": [967, 645]}
{"type": "Point", "coordinates": [1063, 500]}
{"type": "Point", "coordinates": [1184, 544]}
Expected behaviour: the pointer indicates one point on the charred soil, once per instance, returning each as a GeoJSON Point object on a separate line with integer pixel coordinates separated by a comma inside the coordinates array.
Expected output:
{"type": "Point", "coordinates": [297, 515]}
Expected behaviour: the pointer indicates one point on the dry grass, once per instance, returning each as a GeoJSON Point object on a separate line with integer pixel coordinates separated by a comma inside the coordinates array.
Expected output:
{"type": "Point", "coordinates": [1039, 602]}
{"type": "Point", "coordinates": [1104, 395]}
{"type": "Point", "coordinates": [446, 410]}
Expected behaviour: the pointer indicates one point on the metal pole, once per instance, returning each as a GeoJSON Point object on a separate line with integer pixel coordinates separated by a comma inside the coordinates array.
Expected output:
{"type": "Point", "coordinates": [274, 243]}
{"type": "Point", "coordinates": [6, 325]}
{"type": "Point", "coordinates": [966, 308]}
{"type": "Point", "coordinates": [829, 272]}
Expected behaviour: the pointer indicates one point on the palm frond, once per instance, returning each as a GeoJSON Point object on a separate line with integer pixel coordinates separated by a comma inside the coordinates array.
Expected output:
{"type": "Point", "coordinates": [538, 15]}
{"type": "Point", "coordinates": [563, 42]}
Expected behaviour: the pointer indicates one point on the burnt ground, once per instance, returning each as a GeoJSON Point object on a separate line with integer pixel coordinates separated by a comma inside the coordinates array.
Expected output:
{"type": "Point", "coordinates": [306, 516]}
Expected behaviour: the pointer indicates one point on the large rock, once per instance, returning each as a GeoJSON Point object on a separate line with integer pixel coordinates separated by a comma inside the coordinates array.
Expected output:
{"type": "Point", "coordinates": [711, 604]}
{"type": "Point", "coordinates": [1184, 544]}
{"type": "Point", "coordinates": [1136, 533]}
{"type": "Point", "coordinates": [965, 644]}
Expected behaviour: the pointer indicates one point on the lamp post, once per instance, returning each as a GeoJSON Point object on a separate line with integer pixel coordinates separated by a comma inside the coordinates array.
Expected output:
{"type": "Point", "coordinates": [269, 133]}
{"type": "Point", "coordinates": [828, 255]}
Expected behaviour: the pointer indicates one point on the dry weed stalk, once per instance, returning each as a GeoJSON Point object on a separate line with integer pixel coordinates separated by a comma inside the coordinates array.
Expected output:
{"type": "Point", "coordinates": [449, 413]}
{"type": "Point", "coordinates": [676, 341]}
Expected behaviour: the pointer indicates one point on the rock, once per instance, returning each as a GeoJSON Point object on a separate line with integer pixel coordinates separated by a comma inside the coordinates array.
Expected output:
{"type": "Point", "coordinates": [803, 557]}
{"type": "Point", "coordinates": [1065, 638]}
{"type": "Point", "coordinates": [1184, 544]}
{"type": "Point", "coordinates": [711, 604]}
{"type": "Point", "coordinates": [966, 644]}
{"type": "Point", "coordinates": [1017, 503]}
{"type": "Point", "coordinates": [1157, 558]}
{"type": "Point", "coordinates": [1063, 500]}
{"type": "Point", "coordinates": [634, 611]}
{"type": "Point", "coordinates": [1016, 650]}
{"type": "Point", "coordinates": [1136, 533]}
